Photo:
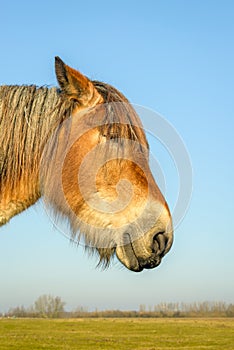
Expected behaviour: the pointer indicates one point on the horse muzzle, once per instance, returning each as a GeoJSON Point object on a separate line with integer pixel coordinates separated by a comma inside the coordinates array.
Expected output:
{"type": "Point", "coordinates": [147, 251]}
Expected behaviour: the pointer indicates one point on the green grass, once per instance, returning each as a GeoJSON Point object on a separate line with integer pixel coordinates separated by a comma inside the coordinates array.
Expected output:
{"type": "Point", "coordinates": [142, 334]}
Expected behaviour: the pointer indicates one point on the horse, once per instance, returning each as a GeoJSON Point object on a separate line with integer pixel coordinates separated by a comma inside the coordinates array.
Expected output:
{"type": "Point", "coordinates": [82, 147]}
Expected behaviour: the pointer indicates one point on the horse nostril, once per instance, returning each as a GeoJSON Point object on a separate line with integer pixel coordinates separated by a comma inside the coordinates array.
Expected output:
{"type": "Point", "coordinates": [158, 233]}
{"type": "Point", "coordinates": [159, 242]}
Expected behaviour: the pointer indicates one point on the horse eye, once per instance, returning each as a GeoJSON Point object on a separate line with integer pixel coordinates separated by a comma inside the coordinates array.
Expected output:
{"type": "Point", "coordinates": [113, 136]}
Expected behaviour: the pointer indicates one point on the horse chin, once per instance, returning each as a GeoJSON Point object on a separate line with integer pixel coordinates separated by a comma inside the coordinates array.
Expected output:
{"type": "Point", "coordinates": [127, 257]}
{"type": "Point", "coordinates": [125, 254]}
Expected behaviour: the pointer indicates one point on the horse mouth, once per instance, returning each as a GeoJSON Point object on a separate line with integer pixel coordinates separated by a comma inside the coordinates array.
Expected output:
{"type": "Point", "coordinates": [128, 257]}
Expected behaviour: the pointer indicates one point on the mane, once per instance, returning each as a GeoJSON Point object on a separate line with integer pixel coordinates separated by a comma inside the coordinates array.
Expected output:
{"type": "Point", "coordinates": [27, 115]}
{"type": "Point", "coordinates": [120, 119]}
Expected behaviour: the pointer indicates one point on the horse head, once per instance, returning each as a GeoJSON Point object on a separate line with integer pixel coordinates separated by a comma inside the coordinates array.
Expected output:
{"type": "Point", "coordinates": [98, 175]}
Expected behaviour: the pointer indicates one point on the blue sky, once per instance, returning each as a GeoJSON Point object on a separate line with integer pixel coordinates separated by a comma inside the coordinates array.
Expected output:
{"type": "Point", "coordinates": [174, 57]}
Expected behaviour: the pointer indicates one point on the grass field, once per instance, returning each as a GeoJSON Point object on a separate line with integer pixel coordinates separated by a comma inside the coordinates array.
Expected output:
{"type": "Point", "coordinates": [144, 334]}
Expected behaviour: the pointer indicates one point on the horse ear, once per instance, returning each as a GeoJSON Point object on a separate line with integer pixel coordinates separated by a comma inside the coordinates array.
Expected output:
{"type": "Point", "coordinates": [75, 85]}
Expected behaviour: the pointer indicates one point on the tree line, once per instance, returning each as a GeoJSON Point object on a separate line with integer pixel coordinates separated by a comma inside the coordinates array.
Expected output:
{"type": "Point", "coordinates": [47, 306]}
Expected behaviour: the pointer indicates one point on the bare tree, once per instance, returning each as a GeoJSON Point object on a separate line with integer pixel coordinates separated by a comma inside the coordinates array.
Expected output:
{"type": "Point", "coordinates": [49, 306]}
